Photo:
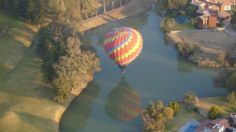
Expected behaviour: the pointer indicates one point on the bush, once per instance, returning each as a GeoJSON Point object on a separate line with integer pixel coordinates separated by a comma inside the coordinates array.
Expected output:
{"type": "Point", "coordinates": [175, 106]}
{"type": "Point", "coordinates": [214, 112]}
{"type": "Point", "coordinates": [190, 98]}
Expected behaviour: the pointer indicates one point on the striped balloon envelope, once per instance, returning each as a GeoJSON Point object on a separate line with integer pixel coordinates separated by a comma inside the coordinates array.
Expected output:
{"type": "Point", "coordinates": [123, 45]}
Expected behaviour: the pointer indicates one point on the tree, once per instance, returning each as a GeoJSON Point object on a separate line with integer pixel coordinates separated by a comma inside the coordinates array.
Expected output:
{"type": "Point", "coordinates": [73, 70]}
{"type": "Point", "coordinates": [231, 98]}
{"type": "Point", "coordinates": [167, 24]}
{"type": "Point", "coordinates": [67, 64]}
{"type": "Point", "coordinates": [175, 106]}
{"type": "Point", "coordinates": [214, 112]}
{"type": "Point", "coordinates": [155, 117]}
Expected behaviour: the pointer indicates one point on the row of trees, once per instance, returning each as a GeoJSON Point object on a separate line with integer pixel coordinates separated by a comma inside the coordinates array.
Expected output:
{"type": "Point", "coordinates": [67, 63]}
{"type": "Point", "coordinates": [39, 12]}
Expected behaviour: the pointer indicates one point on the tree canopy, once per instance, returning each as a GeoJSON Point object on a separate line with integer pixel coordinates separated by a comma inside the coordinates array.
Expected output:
{"type": "Point", "coordinates": [155, 117]}
{"type": "Point", "coordinates": [67, 64]}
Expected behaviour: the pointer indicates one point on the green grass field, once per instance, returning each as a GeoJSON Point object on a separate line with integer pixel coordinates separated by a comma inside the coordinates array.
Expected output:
{"type": "Point", "coordinates": [14, 43]}
{"type": "Point", "coordinates": [185, 26]}
{"type": "Point", "coordinates": [25, 100]}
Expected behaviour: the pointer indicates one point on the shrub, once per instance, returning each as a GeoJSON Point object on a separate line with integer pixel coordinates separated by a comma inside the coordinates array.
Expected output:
{"type": "Point", "coordinates": [175, 106]}
{"type": "Point", "coordinates": [190, 98]}
{"type": "Point", "coordinates": [214, 112]}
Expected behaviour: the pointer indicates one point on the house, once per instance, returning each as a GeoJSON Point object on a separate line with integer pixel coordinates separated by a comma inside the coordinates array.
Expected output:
{"type": "Point", "coordinates": [224, 5]}
{"type": "Point", "coordinates": [233, 118]}
{"type": "Point", "coordinates": [217, 125]}
{"type": "Point", "coordinates": [212, 12]}
{"type": "Point", "coordinates": [206, 21]}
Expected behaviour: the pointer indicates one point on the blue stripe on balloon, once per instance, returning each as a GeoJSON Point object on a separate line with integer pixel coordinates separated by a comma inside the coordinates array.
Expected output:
{"type": "Point", "coordinates": [122, 43]}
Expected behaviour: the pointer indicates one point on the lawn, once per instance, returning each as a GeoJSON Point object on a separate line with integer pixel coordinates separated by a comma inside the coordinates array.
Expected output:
{"type": "Point", "coordinates": [184, 26]}
{"type": "Point", "coordinates": [26, 101]}
{"type": "Point", "coordinates": [14, 43]}
{"type": "Point", "coordinates": [183, 116]}
{"type": "Point", "coordinates": [206, 103]}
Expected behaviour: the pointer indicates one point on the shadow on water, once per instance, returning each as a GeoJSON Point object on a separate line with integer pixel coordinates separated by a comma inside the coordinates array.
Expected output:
{"type": "Point", "coordinates": [123, 102]}
{"type": "Point", "coordinates": [76, 116]}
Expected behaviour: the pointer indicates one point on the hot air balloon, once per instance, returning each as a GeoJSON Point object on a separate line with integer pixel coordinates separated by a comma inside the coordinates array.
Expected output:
{"type": "Point", "coordinates": [123, 45]}
{"type": "Point", "coordinates": [123, 103]}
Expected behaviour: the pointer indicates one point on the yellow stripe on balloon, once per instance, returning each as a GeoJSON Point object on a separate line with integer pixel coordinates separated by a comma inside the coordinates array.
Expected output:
{"type": "Point", "coordinates": [134, 48]}
{"type": "Point", "coordinates": [126, 63]}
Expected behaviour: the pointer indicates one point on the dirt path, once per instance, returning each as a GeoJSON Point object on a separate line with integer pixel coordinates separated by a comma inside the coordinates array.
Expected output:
{"type": "Point", "coordinates": [132, 8]}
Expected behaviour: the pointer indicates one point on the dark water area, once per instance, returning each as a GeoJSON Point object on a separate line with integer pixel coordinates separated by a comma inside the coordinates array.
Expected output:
{"type": "Point", "coordinates": [111, 103]}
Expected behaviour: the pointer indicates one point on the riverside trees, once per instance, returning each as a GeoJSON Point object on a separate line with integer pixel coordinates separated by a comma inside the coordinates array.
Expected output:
{"type": "Point", "coordinates": [67, 64]}
{"type": "Point", "coordinates": [155, 116]}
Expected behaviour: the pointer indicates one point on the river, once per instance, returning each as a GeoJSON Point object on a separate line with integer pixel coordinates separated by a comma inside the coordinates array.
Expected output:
{"type": "Point", "coordinates": [112, 101]}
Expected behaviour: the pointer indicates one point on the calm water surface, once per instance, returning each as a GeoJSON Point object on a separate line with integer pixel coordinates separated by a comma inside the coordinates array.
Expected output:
{"type": "Point", "coordinates": [111, 102]}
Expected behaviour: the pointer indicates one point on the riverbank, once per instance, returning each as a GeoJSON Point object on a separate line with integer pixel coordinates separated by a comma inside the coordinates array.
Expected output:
{"type": "Point", "coordinates": [212, 48]}
{"type": "Point", "coordinates": [132, 8]}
